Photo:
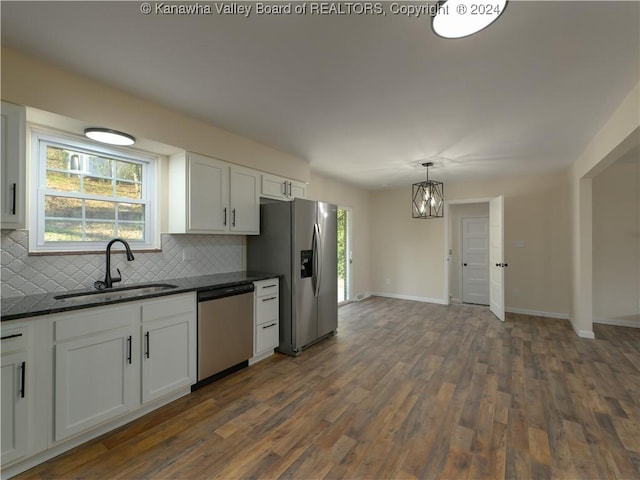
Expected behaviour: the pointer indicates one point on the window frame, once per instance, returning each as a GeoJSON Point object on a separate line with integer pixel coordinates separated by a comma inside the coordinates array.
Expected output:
{"type": "Point", "coordinates": [40, 139]}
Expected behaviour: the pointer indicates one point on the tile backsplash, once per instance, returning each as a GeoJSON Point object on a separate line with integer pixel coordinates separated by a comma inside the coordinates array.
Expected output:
{"type": "Point", "coordinates": [181, 256]}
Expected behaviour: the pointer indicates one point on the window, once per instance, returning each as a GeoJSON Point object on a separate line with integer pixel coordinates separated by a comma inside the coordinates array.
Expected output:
{"type": "Point", "coordinates": [87, 194]}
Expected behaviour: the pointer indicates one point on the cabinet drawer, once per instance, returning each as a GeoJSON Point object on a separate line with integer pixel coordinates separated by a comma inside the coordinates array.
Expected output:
{"type": "Point", "coordinates": [266, 287]}
{"type": "Point", "coordinates": [14, 339]}
{"type": "Point", "coordinates": [169, 306]}
{"type": "Point", "coordinates": [267, 336]}
{"type": "Point", "coordinates": [266, 309]}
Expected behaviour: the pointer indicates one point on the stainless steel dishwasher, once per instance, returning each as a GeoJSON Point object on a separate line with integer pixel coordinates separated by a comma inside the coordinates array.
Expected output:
{"type": "Point", "coordinates": [225, 331]}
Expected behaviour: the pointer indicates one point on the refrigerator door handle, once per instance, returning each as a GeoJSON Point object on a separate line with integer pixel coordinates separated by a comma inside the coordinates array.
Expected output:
{"type": "Point", "coordinates": [316, 263]}
{"type": "Point", "coordinates": [317, 255]}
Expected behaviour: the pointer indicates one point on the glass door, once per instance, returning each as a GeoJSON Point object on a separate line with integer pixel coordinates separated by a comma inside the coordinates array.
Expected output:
{"type": "Point", "coordinates": [344, 255]}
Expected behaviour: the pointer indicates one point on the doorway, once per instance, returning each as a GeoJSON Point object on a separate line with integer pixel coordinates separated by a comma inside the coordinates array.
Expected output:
{"type": "Point", "coordinates": [344, 255]}
{"type": "Point", "coordinates": [493, 208]}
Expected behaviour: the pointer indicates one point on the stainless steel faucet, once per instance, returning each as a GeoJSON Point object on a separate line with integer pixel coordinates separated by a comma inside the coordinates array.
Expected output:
{"type": "Point", "coordinates": [108, 280]}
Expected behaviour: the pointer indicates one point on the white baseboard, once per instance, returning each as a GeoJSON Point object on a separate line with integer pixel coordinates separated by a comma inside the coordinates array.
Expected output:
{"type": "Point", "coordinates": [616, 322]}
{"type": "Point", "coordinates": [362, 296]}
{"type": "Point", "coordinates": [582, 333]}
{"type": "Point", "coordinates": [439, 301]}
{"type": "Point", "coordinates": [537, 313]}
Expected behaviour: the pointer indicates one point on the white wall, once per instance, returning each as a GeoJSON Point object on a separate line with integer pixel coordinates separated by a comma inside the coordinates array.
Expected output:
{"type": "Point", "coordinates": [408, 255]}
{"type": "Point", "coordinates": [33, 83]}
{"type": "Point", "coordinates": [357, 201]}
{"type": "Point", "coordinates": [616, 243]}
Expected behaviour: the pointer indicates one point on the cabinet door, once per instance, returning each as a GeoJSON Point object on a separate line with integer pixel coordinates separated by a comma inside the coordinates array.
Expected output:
{"type": "Point", "coordinates": [15, 419]}
{"type": "Point", "coordinates": [208, 196]}
{"type": "Point", "coordinates": [297, 189]}
{"type": "Point", "coordinates": [245, 201]}
{"type": "Point", "coordinates": [12, 155]}
{"type": "Point", "coordinates": [94, 380]}
{"type": "Point", "coordinates": [273, 187]}
{"type": "Point", "coordinates": [167, 352]}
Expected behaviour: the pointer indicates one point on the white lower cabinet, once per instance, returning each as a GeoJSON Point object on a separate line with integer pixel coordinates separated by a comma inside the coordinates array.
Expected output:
{"type": "Point", "coordinates": [168, 346]}
{"type": "Point", "coordinates": [94, 381]}
{"type": "Point", "coordinates": [71, 376]}
{"type": "Point", "coordinates": [95, 369]}
{"type": "Point", "coordinates": [266, 318]}
{"type": "Point", "coordinates": [111, 360]}
{"type": "Point", "coordinates": [17, 391]}
{"type": "Point", "coordinates": [15, 412]}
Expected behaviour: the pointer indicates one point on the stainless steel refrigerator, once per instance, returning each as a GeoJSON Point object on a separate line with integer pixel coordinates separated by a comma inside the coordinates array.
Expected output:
{"type": "Point", "coordinates": [298, 240]}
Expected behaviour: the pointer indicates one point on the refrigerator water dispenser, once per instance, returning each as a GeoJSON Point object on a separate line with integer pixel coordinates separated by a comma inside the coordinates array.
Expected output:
{"type": "Point", "coordinates": [306, 263]}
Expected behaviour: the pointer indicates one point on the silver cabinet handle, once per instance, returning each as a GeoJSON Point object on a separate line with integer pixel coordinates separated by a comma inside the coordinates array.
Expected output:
{"type": "Point", "coordinates": [233, 213]}
{"type": "Point", "coordinates": [269, 326]}
{"type": "Point", "coordinates": [268, 299]}
{"type": "Point", "coordinates": [269, 286]}
{"type": "Point", "coordinates": [147, 345]}
{"type": "Point", "coordinates": [224, 221]}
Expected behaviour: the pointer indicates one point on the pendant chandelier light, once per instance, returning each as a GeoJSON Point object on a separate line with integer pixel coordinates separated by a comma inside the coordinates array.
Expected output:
{"type": "Point", "coordinates": [428, 197]}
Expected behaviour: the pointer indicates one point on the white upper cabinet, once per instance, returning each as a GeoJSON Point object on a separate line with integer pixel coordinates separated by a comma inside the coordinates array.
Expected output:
{"type": "Point", "coordinates": [12, 174]}
{"type": "Point", "coordinates": [211, 196]}
{"type": "Point", "coordinates": [208, 198]}
{"type": "Point", "coordinates": [244, 201]}
{"type": "Point", "coordinates": [282, 188]}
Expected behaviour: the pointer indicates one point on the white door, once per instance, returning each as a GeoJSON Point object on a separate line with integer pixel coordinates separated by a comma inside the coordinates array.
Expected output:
{"type": "Point", "coordinates": [496, 257]}
{"type": "Point", "coordinates": [475, 260]}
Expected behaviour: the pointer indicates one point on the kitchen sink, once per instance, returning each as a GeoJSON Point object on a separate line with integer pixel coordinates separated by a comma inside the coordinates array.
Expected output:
{"type": "Point", "coordinates": [114, 293]}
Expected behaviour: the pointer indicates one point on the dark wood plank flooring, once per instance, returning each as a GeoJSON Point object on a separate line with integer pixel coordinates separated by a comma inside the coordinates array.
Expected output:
{"type": "Point", "coordinates": [405, 390]}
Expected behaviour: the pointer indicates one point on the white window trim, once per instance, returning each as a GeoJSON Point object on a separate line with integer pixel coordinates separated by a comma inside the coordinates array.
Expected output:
{"type": "Point", "coordinates": [36, 195]}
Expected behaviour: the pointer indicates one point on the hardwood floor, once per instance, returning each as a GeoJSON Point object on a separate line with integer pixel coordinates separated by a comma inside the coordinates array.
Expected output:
{"type": "Point", "coordinates": [405, 390]}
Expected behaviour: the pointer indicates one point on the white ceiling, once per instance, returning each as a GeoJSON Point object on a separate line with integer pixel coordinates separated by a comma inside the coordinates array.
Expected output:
{"type": "Point", "coordinates": [364, 98]}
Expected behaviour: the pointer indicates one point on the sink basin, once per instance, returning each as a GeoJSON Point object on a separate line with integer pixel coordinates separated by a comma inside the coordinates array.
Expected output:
{"type": "Point", "coordinates": [114, 293]}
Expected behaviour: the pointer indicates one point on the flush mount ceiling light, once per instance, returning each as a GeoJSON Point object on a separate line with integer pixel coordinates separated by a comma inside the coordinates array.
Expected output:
{"type": "Point", "coordinates": [112, 137]}
{"type": "Point", "coordinates": [462, 18]}
{"type": "Point", "coordinates": [428, 197]}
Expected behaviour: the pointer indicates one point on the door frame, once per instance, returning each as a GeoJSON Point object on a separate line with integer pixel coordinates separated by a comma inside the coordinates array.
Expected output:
{"type": "Point", "coordinates": [447, 257]}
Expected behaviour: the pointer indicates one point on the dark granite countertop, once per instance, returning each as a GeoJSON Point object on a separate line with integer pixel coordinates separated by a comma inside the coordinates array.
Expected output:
{"type": "Point", "coordinates": [14, 308]}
